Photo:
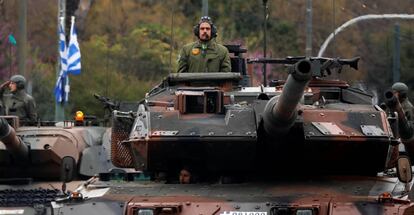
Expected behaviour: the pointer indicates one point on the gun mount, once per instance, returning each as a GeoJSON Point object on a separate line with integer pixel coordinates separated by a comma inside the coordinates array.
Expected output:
{"type": "Point", "coordinates": [107, 103]}
{"type": "Point", "coordinates": [321, 66]}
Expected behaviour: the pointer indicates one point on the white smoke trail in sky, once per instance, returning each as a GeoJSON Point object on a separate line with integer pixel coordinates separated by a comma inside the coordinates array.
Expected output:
{"type": "Point", "coordinates": [358, 19]}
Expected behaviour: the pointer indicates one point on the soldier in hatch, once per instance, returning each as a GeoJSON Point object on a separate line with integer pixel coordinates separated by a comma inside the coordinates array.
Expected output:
{"type": "Point", "coordinates": [17, 102]}
{"type": "Point", "coordinates": [401, 91]}
{"type": "Point", "coordinates": [184, 176]}
{"type": "Point", "coordinates": [204, 55]}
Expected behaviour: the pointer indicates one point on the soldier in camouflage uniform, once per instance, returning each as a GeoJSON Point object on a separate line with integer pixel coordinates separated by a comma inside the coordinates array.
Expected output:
{"type": "Point", "coordinates": [402, 90]}
{"type": "Point", "coordinates": [17, 102]}
{"type": "Point", "coordinates": [204, 55]}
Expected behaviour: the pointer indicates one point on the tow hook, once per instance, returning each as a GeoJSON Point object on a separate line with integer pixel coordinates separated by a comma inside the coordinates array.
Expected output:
{"type": "Point", "coordinates": [72, 197]}
{"type": "Point", "coordinates": [387, 197]}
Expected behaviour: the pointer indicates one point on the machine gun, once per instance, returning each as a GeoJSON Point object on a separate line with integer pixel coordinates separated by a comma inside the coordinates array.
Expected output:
{"type": "Point", "coordinates": [108, 103]}
{"type": "Point", "coordinates": [318, 64]}
{"type": "Point", "coordinates": [109, 106]}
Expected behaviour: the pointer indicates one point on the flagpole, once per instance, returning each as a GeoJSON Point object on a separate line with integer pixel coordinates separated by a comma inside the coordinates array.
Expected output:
{"type": "Point", "coordinates": [22, 38]}
{"type": "Point", "coordinates": [12, 42]}
{"type": "Point", "coordinates": [59, 108]}
{"type": "Point", "coordinates": [11, 61]}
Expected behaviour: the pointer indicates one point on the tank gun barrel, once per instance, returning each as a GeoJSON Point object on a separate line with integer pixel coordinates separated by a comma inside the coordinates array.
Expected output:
{"type": "Point", "coordinates": [404, 128]}
{"type": "Point", "coordinates": [280, 112]}
{"type": "Point", "coordinates": [14, 145]}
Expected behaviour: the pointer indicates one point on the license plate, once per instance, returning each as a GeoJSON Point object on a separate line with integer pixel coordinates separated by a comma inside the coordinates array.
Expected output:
{"type": "Point", "coordinates": [12, 211]}
{"type": "Point", "coordinates": [243, 213]}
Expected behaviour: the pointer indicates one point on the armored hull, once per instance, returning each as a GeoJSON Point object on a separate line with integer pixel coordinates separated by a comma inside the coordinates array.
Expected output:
{"type": "Point", "coordinates": [305, 195]}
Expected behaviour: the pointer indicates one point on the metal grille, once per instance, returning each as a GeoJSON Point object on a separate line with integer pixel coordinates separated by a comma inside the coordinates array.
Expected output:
{"type": "Point", "coordinates": [121, 154]}
{"type": "Point", "coordinates": [22, 197]}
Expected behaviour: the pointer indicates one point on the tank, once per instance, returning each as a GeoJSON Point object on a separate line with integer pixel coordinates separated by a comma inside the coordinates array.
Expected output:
{"type": "Point", "coordinates": [304, 145]}
{"type": "Point", "coordinates": [209, 143]}
{"type": "Point", "coordinates": [63, 152]}
{"type": "Point", "coordinates": [74, 149]}
{"type": "Point", "coordinates": [43, 161]}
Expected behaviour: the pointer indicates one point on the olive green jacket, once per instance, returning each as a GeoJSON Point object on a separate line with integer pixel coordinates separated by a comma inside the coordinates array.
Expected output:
{"type": "Point", "coordinates": [215, 58]}
{"type": "Point", "coordinates": [19, 104]}
{"type": "Point", "coordinates": [408, 109]}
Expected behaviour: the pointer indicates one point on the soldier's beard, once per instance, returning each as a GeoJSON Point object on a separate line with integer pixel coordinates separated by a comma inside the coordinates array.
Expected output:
{"type": "Point", "coordinates": [205, 37]}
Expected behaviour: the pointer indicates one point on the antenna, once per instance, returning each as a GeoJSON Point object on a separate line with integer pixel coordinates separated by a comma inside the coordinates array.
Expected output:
{"type": "Point", "coordinates": [333, 27]}
{"type": "Point", "coordinates": [22, 37]}
{"type": "Point", "coordinates": [172, 35]}
{"type": "Point", "coordinates": [265, 13]}
{"type": "Point", "coordinates": [308, 49]}
{"type": "Point", "coordinates": [334, 41]}
{"type": "Point", "coordinates": [204, 9]}
{"type": "Point", "coordinates": [396, 67]}
{"type": "Point", "coordinates": [107, 60]}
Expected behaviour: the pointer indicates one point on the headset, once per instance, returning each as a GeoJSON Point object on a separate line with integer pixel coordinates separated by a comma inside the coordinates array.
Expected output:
{"type": "Point", "coordinates": [207, 19]}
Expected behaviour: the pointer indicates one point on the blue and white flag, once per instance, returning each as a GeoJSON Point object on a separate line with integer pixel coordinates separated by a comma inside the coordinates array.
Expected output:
{"type": "Point", "coordinates": [74, 55]}
{"type": "Point", "coordinates": [69, 60]}
{"type": "Point", "coordinates": [60, 82]}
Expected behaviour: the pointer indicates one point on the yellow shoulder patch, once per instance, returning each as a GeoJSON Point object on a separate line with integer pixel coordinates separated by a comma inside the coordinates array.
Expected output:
{"type": "Point", "coordinates": [195, 51]}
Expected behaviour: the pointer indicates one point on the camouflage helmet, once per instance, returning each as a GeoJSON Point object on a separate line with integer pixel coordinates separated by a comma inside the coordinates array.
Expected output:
{"type": "Point", "coordinates": [19, 80]}
{"type": "Point", "coordinates": [401, 88]}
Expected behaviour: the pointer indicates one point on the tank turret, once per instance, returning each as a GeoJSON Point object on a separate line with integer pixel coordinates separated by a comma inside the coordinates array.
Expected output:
{"type": "Point", "coordinates": [52, 150]}
{"type": "Point", "coordinates": [216, 123]}
{"type": "Point", "coordinates": [280, 112]}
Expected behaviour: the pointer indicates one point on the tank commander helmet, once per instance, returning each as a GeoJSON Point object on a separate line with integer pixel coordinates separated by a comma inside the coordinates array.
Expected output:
{"type": "Point", "coordinates": [401, 88]}
{"type": "Point", "coordinates": [19, 80]}
{"type": "Point", "coordinates": [207, 19]}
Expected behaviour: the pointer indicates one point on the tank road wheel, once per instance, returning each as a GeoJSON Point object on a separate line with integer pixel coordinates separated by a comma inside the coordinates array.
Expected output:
{"type": "Point", "coordinates": [68, 169]}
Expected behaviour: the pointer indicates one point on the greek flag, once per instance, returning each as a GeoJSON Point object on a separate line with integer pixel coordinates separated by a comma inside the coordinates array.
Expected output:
{"type": "Point", "coordinates": [70, 62]}
{"type": "Point", "coordinates": [60, 83]}
{"type": "Point", "coordinates": [74, 55]}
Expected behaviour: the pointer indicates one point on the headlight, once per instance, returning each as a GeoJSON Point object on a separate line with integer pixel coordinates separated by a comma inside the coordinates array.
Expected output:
{"type": "Point", "coordinates": [304, 212]}
{"type": "Point", "coordinates": [145, 212]}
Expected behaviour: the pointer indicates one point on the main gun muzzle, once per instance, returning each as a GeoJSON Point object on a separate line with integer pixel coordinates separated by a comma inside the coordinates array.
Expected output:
{"type": "Point", "coordinates": [280, 112]}
{"type": "Point", "coordinates": [13, 143]}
